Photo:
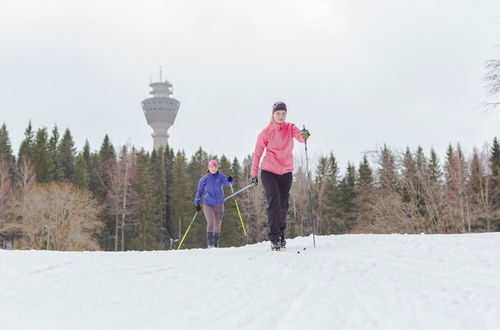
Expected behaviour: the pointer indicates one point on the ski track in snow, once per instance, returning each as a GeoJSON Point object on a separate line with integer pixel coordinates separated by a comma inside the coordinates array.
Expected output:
{"type": "Point", "coordinates": [347, 282]}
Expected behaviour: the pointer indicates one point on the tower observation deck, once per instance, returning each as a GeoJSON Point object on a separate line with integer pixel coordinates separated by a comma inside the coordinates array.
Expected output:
{"type": "Point", "coordinates": [160, 111]}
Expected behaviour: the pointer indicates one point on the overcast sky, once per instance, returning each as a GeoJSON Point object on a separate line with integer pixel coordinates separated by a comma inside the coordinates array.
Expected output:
{"type": "Point", "coordinates": [358, 74]}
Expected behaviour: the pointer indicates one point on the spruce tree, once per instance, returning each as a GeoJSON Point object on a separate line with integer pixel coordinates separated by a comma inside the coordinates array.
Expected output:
{"type": "Point", "coordinates": [42, 162]}
{"type": "Point", "coordinates": [348, 193]}
{"type": "Point", "coordinates": [237, 174]}
{"type": "Point", "coordinates": [148, 229]}
{"type": "Point", "coordinates": [67, 154]}
{"type": "Point", "coordinates": [409, 176]}
{"type": "Point", "coordinates": [56, 171]}
{"type": "Point", "coordinates": [450, 154]}
{"type": "Point", "coordinates": [157, 164]}
{"type": "Point", "coordinates": [321, 190]}
{"type": "Point", "coordinates": [182, 202]}
{"type": "Point", "coordinates": [495, 157]}
{"type": "Point", "coordinates": [495, 171]}
{"type": "Point", "coordinates": [86, 154]}
{"type": "Point", "coordinates": [81, 173]}
{"type": "Point", "coordinates": [26, 148]}
{"type": "Point", "coordinates": [433, 168]}
{"type": "Point", "coordinates": [168, 221]}
{"type": "Point", "coordinates": [476, 176]}
{"type": "Point", "coordinates": [100, 167]}
{"type": "Point", "coordinates": [231, 230]}
{"type": "Point", "coordinates": [198, 166]}
{"type": "Point", "coordinates": [5, 145]}
{"type": "Point", "coordinates": [6, 154]}
{"type": "Point", "coordinates": [388, 176]}
{"type": "Point", "coordinates": [365, 175]}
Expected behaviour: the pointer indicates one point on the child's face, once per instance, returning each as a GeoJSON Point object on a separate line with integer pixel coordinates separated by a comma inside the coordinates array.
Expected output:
{"type": "Point", "coordinates": [213, 169]}
{"type": "Point", "coordinates": [279, 116]}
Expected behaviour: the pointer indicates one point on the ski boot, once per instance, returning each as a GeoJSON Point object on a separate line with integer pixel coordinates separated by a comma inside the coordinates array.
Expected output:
{"type": "Point", "coordinates": [210, 240]}
{"type": "Point", "coordinates": [275, 246]}
{"type": "Point", "coordinates": [216, 239]}
{"type": "Point", "coordinates": [282, 241]}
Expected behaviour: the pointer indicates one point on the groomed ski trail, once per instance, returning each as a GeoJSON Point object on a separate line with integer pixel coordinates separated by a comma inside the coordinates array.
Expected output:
{"type": "Point", "coordinates": [347, 282]}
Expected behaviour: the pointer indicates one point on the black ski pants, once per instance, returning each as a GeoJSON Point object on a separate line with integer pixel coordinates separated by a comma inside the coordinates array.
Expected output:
{"type": "Point", "coordinates": [277, 188]}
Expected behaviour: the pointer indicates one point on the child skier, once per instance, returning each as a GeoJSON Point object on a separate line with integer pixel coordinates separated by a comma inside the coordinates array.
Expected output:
{"type": "Point", "coordinates": [276, 169]}
{"type": "Point", "coordinates": [210, 189]}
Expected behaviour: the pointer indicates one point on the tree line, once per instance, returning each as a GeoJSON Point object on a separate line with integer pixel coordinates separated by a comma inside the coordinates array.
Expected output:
{"type": "Point", "coordinates": [53, 196]}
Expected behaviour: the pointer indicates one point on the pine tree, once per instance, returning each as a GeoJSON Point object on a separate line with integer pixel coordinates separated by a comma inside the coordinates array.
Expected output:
{"type": "Point", "coordinates": [67, 154]}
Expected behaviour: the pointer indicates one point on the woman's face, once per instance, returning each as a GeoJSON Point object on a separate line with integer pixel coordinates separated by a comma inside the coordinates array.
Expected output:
{"type": "Point", "coordinates": [213, 169]}
{"type": "Point", "coordinates": [279, 116]}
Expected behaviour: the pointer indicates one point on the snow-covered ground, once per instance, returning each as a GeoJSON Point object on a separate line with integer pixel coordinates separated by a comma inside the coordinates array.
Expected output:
{"type": "Point", "coordinates": [347, 282]}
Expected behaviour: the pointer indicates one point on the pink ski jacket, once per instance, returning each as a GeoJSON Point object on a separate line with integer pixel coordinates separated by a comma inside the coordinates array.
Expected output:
{"type": "Point", "coordinates": [277, 139]}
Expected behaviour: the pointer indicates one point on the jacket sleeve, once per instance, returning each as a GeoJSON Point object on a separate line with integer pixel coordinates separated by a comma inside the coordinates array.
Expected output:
{"type": "Point", "coordinates": [297, 134]}
{"type": "Point", "coordinates": [224, 180]}
{"type": "Point", "coordinates": [199, 192]}
{"type": "Point", "coordinates": [257, 154]}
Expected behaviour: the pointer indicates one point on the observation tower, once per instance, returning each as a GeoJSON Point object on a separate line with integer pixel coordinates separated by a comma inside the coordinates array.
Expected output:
{"type": "Point", "coordinates": [160, 111]}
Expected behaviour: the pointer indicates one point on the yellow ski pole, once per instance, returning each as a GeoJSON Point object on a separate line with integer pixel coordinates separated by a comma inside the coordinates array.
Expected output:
{"type": "Point", "coordinates": [187, 230]}
{"type": "Point", "coordinates": [239, 214]}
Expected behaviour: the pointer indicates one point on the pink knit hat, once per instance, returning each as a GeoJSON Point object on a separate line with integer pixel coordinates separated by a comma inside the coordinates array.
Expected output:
{"type": "Point", "coordinates": [213, 162]}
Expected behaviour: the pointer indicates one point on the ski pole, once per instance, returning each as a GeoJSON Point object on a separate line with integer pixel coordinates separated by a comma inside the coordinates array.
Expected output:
{"type": "Point", "coordinates": [187, 230]}
{"type": "Point", "coordinates": [310, 195]}
{"type": "Point", "coordinates": [239, 191]}
{"type": "Point", "coordinates": [239, 214]}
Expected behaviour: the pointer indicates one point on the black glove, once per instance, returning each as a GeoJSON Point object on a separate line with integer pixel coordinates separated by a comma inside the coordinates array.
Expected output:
{"type": "Point", "coordinates": [305, 133]}
{"type": "Point", "coordinates": [230, 179]}
{"type": "Point", "coordinates": [253, 180]}
{"type": "Point", "coordinates": [198, 207]}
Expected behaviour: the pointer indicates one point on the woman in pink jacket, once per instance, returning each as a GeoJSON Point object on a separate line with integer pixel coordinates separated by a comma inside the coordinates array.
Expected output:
{"type": "Point", "coordinates": [276, 170]}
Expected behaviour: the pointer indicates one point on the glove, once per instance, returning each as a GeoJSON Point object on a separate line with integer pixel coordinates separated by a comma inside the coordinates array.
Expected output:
{"type": "Point", "coordinates": [253, 180]}
{"type": "Point", "coordinates": [230, 179]}
{"type": "Point", "coordinates": [305, 133]}
{"type": "Point", "coordinates": [198, 207]}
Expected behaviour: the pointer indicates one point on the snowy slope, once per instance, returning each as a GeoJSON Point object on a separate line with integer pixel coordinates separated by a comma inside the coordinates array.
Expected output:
{"type": "Point", "coordinates": [347, 282]}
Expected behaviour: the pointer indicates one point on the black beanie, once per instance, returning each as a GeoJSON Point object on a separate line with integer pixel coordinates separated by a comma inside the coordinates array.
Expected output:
{"type": "Point", "coordinates": [279, 106]}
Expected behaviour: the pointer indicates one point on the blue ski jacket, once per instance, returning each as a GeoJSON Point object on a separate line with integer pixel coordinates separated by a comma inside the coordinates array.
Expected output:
{"type": "Point", "coordinates": [210, 189]}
